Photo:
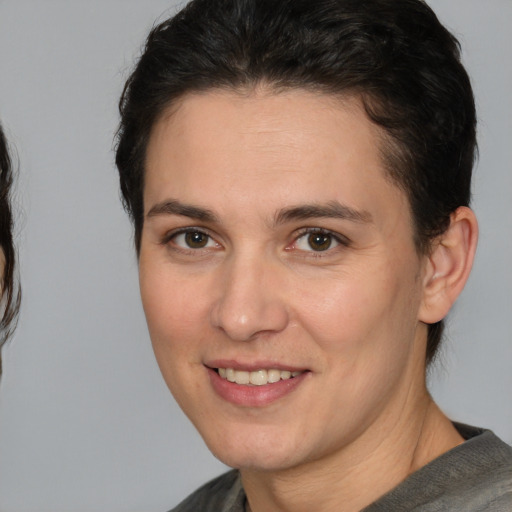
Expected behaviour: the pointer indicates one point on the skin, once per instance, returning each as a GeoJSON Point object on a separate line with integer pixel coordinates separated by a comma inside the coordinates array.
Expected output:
{"type": "Point", "coordinates": [259, 293]}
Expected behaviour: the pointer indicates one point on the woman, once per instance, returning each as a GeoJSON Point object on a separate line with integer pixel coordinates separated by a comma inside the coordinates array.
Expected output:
{"type": "Point", "coordinates": [10, 298]}
{"type": "Point", "coordinates": [298, 174]}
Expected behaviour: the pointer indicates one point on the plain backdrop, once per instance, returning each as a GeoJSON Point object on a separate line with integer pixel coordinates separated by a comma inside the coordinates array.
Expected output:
{"type": "Point", "coordinates": [86, 421]}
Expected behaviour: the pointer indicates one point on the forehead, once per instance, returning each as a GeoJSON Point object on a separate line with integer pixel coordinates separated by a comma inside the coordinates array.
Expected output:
{"type": "Point", "coordinates": [266, 147]}
{"type": "Point", "coordinates": [260, 120]}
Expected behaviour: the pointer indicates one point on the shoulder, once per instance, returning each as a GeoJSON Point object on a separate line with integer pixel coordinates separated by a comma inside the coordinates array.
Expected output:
{"type": "Point", "coordinates": [476, 476]}
{"type": "Point", "coordinates": [482, 467]}
{"type": "Point", "coordinates": [223, 494]}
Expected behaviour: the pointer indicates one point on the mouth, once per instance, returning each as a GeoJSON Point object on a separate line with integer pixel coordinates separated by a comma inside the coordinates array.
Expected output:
{"type": "Point", "coordinates": [256, 378]}
{"type": "Point", "coordinates": [254, 385]}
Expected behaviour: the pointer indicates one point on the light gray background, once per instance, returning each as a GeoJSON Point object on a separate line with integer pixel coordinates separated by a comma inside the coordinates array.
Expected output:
{"type": "Point", "coordinates": [86, 422]}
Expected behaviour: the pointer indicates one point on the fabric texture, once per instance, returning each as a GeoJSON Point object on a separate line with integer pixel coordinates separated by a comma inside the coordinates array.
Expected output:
{"type": "Point", "coordinates": [475, 476]}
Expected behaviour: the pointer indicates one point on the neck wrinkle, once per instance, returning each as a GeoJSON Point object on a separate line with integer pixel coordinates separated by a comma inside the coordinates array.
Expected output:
{"type": "Point", "coordinates": [338, 478]}
{"type": "Point", "coordinates": [397, 443]}
{"type": "Point", "coordinates": [437, 436]}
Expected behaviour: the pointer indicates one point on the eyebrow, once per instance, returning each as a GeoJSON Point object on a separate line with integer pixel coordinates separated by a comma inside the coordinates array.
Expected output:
{"type": "Point", "coordinates": [332, 209]}
{"type": "Point", "coordinates": [174, 207]}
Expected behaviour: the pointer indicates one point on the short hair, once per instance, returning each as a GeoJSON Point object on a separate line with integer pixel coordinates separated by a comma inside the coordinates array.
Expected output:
{"type": "Point", "coordinates": [394, 55]}
{"type": "Point", "coordinates": [10, 292]}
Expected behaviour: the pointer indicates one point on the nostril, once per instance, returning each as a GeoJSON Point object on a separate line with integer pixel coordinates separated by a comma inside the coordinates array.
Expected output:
{"type": "Point", "coordinates": [258, 318]}
{"type": "Point", "coordinates": [248, 303]}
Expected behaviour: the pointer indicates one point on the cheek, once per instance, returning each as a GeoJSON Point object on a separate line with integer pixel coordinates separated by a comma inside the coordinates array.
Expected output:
{"type": "Point", "coordinates": [175, 317]}
{"type": "Point", "coordinates": [175, 312]}
{"type": "Point", "coordinates": [365, 329]}
{"type": "Point", "coordinates": [367, 313]}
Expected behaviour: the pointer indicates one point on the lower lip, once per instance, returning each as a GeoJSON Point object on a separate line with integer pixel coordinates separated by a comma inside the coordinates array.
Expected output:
{"type": "Point", "coordinates": [253, 396]}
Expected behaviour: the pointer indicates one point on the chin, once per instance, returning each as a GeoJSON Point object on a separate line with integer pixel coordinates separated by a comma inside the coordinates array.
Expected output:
{"type": "Point", "coordinates": [247, 460]}
{"type": "Point", "coordinates": [263, 450]}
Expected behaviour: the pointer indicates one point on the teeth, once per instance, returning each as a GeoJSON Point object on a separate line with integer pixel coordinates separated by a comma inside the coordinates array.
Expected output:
{"type": "Point", "coordinates": [274, 376]}
{"type": "Point", "coordinates": [242, 377]}
{"type": "Point", "coordinates": [257, 378]}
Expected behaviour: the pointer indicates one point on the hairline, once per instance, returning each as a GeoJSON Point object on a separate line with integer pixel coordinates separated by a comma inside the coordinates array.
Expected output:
{"type": "Point", "coordinates": [390, 150]}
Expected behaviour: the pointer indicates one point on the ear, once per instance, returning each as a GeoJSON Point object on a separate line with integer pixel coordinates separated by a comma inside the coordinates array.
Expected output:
{"type": "Point", "coordinates": [448, 265]}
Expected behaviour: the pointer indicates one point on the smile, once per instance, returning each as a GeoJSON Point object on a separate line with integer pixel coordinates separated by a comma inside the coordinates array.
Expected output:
{"type": "Point", "coordinates": [256, 378]}
{"type": "Point", "coordinates": [252, 387]}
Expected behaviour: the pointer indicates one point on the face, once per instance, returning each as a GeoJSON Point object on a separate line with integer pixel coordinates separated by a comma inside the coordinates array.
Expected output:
{"type": "Point", "coordinates": [278, 274]}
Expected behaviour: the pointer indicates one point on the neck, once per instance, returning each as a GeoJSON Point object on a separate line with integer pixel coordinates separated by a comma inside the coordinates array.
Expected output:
{"type": "Point", "coordinates": [358, 474]}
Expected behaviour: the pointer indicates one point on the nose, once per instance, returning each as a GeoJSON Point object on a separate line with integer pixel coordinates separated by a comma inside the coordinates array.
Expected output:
{"type": "Point", "coordinates": [251, 301]}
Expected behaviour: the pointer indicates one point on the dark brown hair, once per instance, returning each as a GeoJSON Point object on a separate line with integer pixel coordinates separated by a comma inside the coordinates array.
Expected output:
{"type": "Point", "coordinates": [394, 54]}
{"type": "Point", "coordinates": [10, 293]}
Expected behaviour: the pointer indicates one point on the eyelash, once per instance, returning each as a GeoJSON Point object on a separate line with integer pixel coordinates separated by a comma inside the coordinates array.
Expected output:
{"type": "Point", "coordinates": [339, 239]}
{"type": "Point", "coordinates": [168, 238]}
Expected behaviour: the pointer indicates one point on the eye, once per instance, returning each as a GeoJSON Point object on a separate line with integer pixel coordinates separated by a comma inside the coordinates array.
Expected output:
{"type": "Point", "coordinates": [192, 239]}
{"type": "Point", "coordinates": [317, 241]}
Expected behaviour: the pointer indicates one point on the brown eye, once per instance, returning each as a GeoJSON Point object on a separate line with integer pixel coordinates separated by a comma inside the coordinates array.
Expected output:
{"type": "Point", "coordinates": [196, 239]}
{"type": "Point", "coordinates": [193, 239]}
{"type": "Point", "coordinates": [319, 241]}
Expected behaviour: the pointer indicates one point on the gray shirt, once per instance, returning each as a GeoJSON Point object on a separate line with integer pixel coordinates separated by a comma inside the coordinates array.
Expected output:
{"type": "Point", "coordinates": [475, 476]}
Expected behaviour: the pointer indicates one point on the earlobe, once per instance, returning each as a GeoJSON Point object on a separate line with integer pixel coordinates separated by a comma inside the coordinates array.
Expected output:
{"type": "Point", "coordinates": [449, 265]}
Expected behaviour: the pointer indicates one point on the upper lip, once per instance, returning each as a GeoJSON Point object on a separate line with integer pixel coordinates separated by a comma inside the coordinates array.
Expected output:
{"type": "Point", "coordinates": [253, 365]}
